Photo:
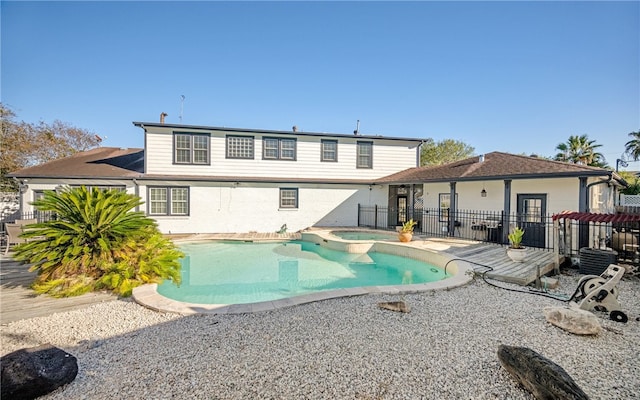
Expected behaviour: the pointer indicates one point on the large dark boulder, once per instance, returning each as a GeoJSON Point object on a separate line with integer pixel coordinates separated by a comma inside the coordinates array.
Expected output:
{"type": "Point", "coordinates": [36, 371]}
{"type": "Point", "coordinates": [545, 379]}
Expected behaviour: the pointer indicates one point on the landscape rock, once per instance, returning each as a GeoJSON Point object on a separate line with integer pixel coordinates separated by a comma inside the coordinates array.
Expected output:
{"type": "Point", "coordinates": [399, 306]}
{"type": "Point", "coordinates": [32, 372]}
{"type": "Point", "coordinates": [574, 320]}
{"type": "Point", "coordinates": [539, 375]}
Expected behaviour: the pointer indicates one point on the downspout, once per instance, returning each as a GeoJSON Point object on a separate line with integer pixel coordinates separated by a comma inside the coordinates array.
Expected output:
{"type": "Point", "coordinates": [20, 184]}
{"type": "Point", "coordinates": [506, 207]}
{"type": "Point", "coordinates": [583, 231]}
{"type": "Point", "coordinates": [453, 208]}
{"type": "Point", "coordinates": [137, 192]}
{"type": "Point", "coordinates": [608, 181]}
{"type": "Point", "coordinates": [419, 153]}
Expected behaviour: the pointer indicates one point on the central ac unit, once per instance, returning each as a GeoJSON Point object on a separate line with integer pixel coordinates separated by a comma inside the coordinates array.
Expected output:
{"type": "Point", "coordinates": [596, 261]}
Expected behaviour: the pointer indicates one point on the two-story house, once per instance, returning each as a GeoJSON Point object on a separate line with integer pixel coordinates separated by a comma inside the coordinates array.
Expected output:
{"type": "Point", "coordinates": [196, 179]}
{"type": "Point", "coordinates": [201, 179]}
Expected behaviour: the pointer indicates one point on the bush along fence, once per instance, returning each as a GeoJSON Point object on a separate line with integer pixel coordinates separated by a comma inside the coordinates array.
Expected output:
{"type": "Point", "coordinates": [569, 236]}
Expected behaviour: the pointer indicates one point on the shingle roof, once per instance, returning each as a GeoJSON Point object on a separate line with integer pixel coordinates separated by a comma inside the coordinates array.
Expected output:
{"type": "Point", "coordinates": [101, 162]}
{"type": "Point", "coordinates": [496, 165]}
{"type": "Point", "coordinates": [117, 163]}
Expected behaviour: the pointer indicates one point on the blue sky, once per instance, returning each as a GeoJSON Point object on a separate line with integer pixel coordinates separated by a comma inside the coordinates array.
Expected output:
{"type": "Point", "coordinates": [519, 77]}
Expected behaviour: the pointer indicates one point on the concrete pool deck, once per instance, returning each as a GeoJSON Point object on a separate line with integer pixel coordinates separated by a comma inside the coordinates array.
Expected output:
{"type": "Point", "coordinates": [148, 296]}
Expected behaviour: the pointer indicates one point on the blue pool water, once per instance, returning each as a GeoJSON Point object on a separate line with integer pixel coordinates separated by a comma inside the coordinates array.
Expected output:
{"type": "Point", "coordinates": [234, 273]}
{"type": "Point", "coordinates": [352, 235]}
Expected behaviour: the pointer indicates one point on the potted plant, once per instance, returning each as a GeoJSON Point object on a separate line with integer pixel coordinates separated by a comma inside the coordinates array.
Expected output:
{"type": "Point", "coordinates": [406, 232]}
{"type": "Point", "coordinates": [516, 250]}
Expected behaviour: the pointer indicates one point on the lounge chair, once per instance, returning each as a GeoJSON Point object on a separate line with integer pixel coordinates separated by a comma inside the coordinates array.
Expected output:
{"type": "Point", "coordinates": [13, 236]}
{"type": "Point", "coordinates": [26, 221]}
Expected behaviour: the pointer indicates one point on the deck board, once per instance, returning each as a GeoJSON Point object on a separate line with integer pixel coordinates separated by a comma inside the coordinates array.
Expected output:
{"type": "Point", "coordinates": [503, 269]}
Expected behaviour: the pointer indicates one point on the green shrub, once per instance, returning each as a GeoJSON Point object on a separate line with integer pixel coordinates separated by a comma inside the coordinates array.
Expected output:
{"type": "Point", "coordinates": [96, 242]}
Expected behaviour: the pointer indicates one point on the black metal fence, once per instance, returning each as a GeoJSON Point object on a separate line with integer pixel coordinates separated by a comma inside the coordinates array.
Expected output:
{"type": "Point", "coordinates": [38, 216]}
{"type": "Point", "coordinates": [494, 227]}
{"type": "Point", "coordinates": [485, 226]}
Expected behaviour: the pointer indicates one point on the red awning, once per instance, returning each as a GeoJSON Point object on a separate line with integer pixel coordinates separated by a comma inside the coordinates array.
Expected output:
{"type": "Point", "coordinates": [596, 217]}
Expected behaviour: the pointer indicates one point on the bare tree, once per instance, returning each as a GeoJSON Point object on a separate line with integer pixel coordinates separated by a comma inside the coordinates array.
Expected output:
{"type": "Point", "coordinates": [24, 144]}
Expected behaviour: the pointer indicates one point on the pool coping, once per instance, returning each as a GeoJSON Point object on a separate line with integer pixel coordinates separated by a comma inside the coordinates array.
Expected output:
{"type": "Point", "coordinates": [148, 296]}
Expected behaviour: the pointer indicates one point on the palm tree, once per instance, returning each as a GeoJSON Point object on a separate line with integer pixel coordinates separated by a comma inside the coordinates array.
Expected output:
{"type": "Point", "coordinates": [632, 147]}
{"type": "Point", "coordinates": [580, 150]}
{"type": "Point", "coordinates": [96, 242]}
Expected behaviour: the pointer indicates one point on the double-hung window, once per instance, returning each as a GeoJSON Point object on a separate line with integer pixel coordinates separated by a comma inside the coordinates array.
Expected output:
{"type": "Point", "coordinates": [278, 149]}
{"type": "Point", "coordinates": [364, 155]}
{"type": "Point", "coordinates": [288, 198]}
{"type": "Point", "coordinates": [168, 200]}
{"type": "Point", "coordinates": [240, 147]}
{"type": "Point", "coordinates": [191, 148]}
{"type": "Point", "coordinates": [329, 150]}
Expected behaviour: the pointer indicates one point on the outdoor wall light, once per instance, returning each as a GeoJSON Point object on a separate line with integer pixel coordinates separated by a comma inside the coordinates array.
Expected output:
{"type": "Point", "coordinates": [483, 193]}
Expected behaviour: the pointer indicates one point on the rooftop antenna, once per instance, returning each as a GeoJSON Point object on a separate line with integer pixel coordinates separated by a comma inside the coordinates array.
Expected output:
{"type": "Point", "coordinates": [181, 106]}
{"type": "Point", "coordinates": [357, 131]}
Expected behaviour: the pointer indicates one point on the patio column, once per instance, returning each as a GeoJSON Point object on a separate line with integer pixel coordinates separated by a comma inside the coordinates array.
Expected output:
{"type": "Point", "coordinates": [583, 227]}
{"type": "Point", "coordinates": [506, 211]}
{"type": "Point", "coordinates": [453, 206]}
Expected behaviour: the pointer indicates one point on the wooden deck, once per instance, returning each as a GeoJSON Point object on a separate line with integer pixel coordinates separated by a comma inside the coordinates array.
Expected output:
{"type": "Point", "coordinates": [17, 301]}
{"type": "Point", "coordinates": [537, 264]}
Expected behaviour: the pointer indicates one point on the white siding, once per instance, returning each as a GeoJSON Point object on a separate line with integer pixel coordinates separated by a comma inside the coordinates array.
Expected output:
{"type": "Point", "coordinates": [389, 156]}
{"type": "Point", "coordinates": [562, 194]}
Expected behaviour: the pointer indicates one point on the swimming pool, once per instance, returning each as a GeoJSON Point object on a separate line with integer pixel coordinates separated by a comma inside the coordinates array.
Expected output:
{"type": "Point", "coordinates": [363, 235]}
{"type": "Point", "coordinates": [240, 273]}
{"type": "Point", "coordinates": [461, 274]}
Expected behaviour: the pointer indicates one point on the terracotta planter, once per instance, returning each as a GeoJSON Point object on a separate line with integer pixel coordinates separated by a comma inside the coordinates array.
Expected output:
{"type": "Point", "coordinates": [517, 255]}
{"type": "Point", "coordinates": [405, 236]}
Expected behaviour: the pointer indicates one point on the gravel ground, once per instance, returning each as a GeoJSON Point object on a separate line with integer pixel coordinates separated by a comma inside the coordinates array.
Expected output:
{"type": "Point", "coordinates": [445, 348]}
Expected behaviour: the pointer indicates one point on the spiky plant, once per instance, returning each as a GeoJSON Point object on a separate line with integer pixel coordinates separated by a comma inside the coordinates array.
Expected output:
{"type": "Point", "coordinates": [96, 242]}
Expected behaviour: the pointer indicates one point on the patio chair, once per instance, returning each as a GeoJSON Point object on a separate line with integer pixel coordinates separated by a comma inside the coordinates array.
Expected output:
{"type": "Point", "coordinates": [26, 221]}
{"type": "Point", "coordinates": [13, 236]}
